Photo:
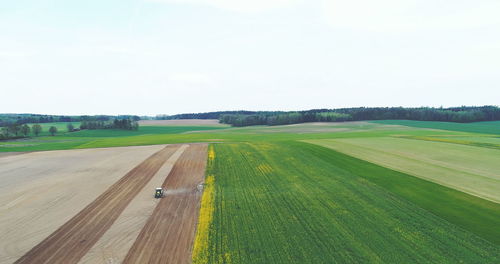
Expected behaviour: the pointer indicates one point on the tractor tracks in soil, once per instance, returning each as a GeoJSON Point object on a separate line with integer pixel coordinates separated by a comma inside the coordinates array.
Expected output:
{"type": "Point", "coordinates": [169, 233]}
{"type": "Point", "coordinates": [166, 236]}
{"type": "Point", "coordinates": [70, 242]}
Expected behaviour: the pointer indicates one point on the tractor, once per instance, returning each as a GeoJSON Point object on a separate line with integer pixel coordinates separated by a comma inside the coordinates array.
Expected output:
{"type": "Point", "coordinates": [160, 193]}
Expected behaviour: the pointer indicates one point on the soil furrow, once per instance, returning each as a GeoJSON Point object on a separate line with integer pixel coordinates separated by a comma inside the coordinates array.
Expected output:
{"type": "Point", "coordinates": [72, 240]}
{"type": "Point", "coordinates": [114, 245]}
{"type": "Point", "coordinates": [169, 233]}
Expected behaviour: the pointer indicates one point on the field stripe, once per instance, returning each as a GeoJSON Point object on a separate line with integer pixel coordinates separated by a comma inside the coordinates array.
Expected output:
{"type": "Point", "coordinates": [469, 169]}
{"type": "Point", "coordinates": [71, 241]}
{"type": "Point", "coordinates": [168, 235]}
{"type": "Point", "coordinates": [455, 141]}
{"type": "Point", "coordinates": [205, 218]}
{"type": "Point", "coordinates": [113, 246]}
{"type": "Point", "coordinates": [486, 127]}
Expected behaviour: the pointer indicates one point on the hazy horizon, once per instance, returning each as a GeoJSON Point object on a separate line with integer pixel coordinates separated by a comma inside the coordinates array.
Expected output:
{"type": "Point", "coordinates": [149, 57]}
{"type": "Point", "coordinates": [261, 110]}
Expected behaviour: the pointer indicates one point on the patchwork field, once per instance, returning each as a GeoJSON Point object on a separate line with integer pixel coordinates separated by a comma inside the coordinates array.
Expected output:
{"type": "Point", "coordinates": [474, 170]}
{"type": "Point", "coordinates": [353, 192]}
{"type": "Point", "coordinates": [41, 191]}
{"type": "Point", "coordinates": [87, 138]}
{"type": "Point", "coordinates": [293, 202]}
{"type": "Point", "coordinates": [85, 199]}
{"type": "Point", "coordinates": [152, 135]}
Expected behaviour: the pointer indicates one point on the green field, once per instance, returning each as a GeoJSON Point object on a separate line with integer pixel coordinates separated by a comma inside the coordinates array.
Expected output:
{"type": "Point", "coordinates": [291, 202]}
{"type": "Point", "coordinates": [92, 138]}
{"type": "Point", "coordinates": [492, 127]}
{"type": "Point", "coordinates": [474, 170]}
{"type": "Point", "coordinates": [143, 130]}
{"type": "Point", "coordinates": [149, 135]}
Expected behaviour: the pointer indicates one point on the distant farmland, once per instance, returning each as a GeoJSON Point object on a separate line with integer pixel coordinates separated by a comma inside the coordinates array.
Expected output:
{"type": "Point", "coordinates": [347, 192]}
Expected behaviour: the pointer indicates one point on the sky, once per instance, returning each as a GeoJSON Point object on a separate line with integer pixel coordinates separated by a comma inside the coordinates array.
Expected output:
{"type": "Point", "coordinates": [149, 57]}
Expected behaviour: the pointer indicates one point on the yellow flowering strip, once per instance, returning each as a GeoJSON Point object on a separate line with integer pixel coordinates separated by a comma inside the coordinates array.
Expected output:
{"type": "Point", "coordinates": [211, 154]}
{"type": "Point", "coordinates": [200, 248]}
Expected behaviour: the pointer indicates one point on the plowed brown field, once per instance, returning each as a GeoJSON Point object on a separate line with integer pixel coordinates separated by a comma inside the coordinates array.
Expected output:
{"type": "Point", "coordinates": [40, 191]}
{"type": "Point", "coordinates": [72, 240]}
{"type": "Point", "coordinates": [168, 235]}
{"type": "Point", "coordinates": [157, 231]}
{"type": "Point", "coordinates": [114, 245]}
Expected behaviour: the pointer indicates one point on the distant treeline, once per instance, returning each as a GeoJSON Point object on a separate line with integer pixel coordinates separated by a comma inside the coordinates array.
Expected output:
{"type": "Point", "coordinates": [209, 115]}
{"type": "Point", "coordinates": [283, 118]}
{"type": "Point", "coordinates": [462, 114]}
{"type": "Point", "coordinates": [126, 124]}
{"type": "Point", "coordinates": [15, 130]}
{"type": "Point", "coordinates": [8, 119]}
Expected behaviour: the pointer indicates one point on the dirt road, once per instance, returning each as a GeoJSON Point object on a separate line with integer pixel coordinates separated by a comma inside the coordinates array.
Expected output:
{"type": "Point", "coordinates": [169, 233]}
{"type": "Point", "coordinates": [71, 241]}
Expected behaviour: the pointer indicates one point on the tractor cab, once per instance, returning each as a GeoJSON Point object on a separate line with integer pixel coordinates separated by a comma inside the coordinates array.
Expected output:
{"type": "Point", "coordinates": [159, 193]}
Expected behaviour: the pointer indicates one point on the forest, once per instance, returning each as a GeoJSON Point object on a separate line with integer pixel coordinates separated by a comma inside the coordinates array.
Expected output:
{"type": "Point", "coordinates": [464, 114]}
{"type": "Point", "coordinates": [126, 124]}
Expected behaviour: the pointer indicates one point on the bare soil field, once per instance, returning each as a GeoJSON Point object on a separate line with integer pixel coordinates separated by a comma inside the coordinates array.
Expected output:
{"type": "Point", "coordinates": [113, 246]}
{"type": "Point", "coordinates": [40, 191]}
{"type": "Point", "coordinates": [70, 242]}
{"type": "Point", "coordinates": [115, 218]}
{"type": "Point", "coordinates": [169, 233]}
{"type": "Point", "coordinates": [181, 122]}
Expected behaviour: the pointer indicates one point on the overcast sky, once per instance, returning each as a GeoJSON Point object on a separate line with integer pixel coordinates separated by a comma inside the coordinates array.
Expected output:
{"type": "Point", "coordinates": [152, 57]}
